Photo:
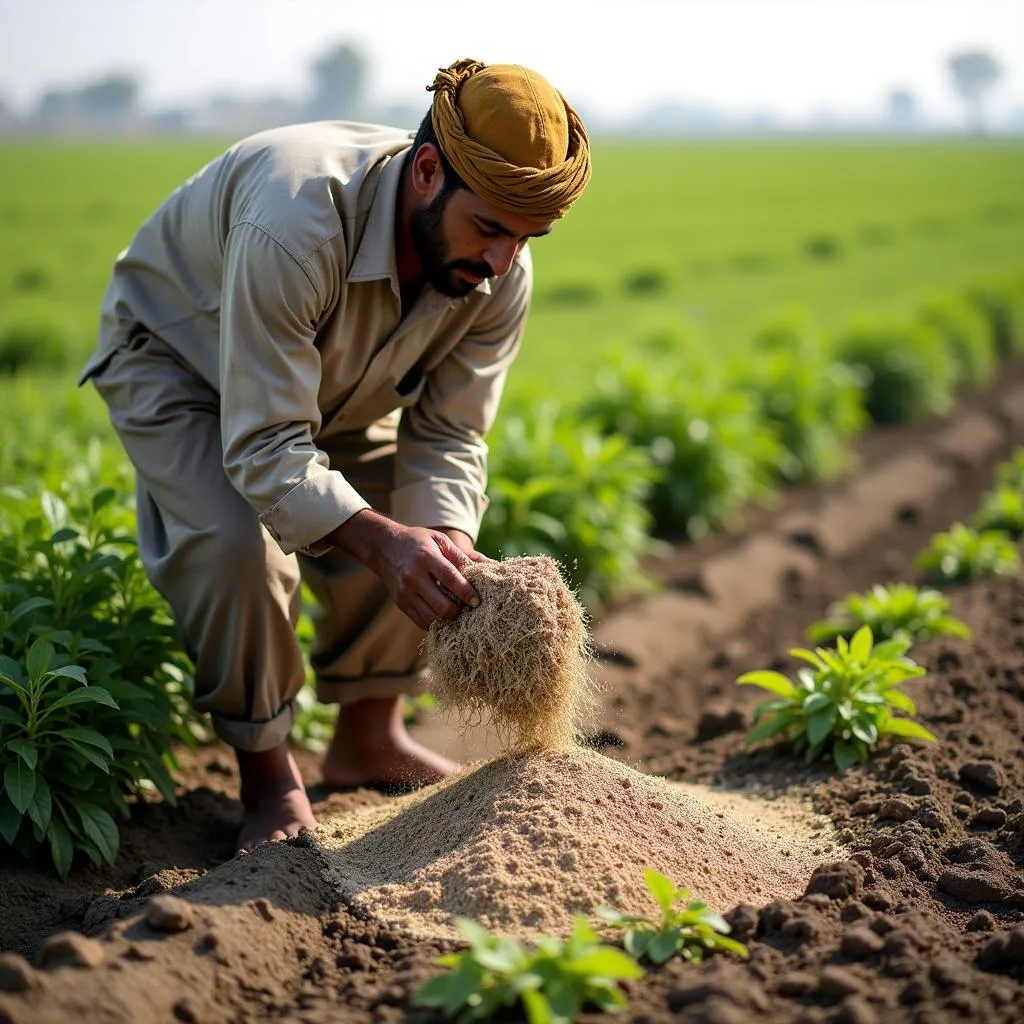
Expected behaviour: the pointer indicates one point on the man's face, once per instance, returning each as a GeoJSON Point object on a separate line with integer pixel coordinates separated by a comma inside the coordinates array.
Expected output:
{"type": "Point", "coordinates": [462, 240]}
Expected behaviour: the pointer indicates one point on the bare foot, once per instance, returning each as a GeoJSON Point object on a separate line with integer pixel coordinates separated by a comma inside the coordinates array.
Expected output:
{"type": "Point", "coordinates": [274, 797]}
{"type": "Point", "coordinates": [372, 745]}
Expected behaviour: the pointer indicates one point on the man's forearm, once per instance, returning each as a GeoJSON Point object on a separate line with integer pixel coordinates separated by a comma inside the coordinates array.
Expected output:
{"type": "Point", "coordinates": [363, 535]}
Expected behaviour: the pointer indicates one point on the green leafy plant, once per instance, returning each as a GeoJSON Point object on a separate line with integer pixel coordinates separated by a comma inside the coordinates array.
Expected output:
{"type": "Point", "coordinates": [891, 610]}
{"type": "Point", "coordinates": [1010, 474]}
{"type": "Point", "coordinates": [93, 684]}
{"type": "Point", "coordinates": [552, 981]}
{"type": "Point", "coordinates": [1000, 301]}
{"type": "Point", "coordinates": [1001, 509]}
{"type": "Point", "coordinates": [716, 452]}
{"type": "Point", "coordinates": [692, 930]}
{"type": "Point", "coordinates": [963, 554]}
{"type": "Point", "coordinates": [558, 487]}
{"type": "Point", "coordinates": [843, 704]}
{"type": "Point", "coordinates": [966, 334]}
{"type": "Point", "coordinates": [814, 401]}
{"type": "Point", "coordinates": [906, 368]}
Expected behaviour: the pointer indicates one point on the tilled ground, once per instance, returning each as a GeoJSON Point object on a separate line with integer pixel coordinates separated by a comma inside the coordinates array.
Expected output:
{"type": "Point", "coordinates": [924, 923]}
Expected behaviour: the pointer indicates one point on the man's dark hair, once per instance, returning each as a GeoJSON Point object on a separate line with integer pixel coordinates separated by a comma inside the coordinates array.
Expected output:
{"type": "Point", "coordinates": [425, 134]}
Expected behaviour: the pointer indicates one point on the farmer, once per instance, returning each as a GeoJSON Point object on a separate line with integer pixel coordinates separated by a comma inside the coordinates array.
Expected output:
{"type": "Point", "coordinates": [302, 351]}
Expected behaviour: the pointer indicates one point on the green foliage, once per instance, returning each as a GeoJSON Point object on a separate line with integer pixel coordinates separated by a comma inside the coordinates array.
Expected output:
{"type": "Point", "coordinates": [692, 930]}
{"type": "Point", "coordinates": [560, 488]}
{"type": "Point", "coordinates": [646, 281]}
{"type": "Point", "coordinates": [1001, 301]}
{"type": "Point", "coordinates": [1001, 509]}
{"type": "Point", "coordinates": [1010, 474]}
{"type": "Point", "coordinates": [550, 983]}
{"type": "Point", "coordinates": [814, 402]}
{"type": "Point", "coordinates": [716, 452]}
{"type": "Point", "coordinates": [93, 686]}
{"type": "Point", "coordinates": [843, 703]}
{"type": "Point", "coordinates": [963, 554]}
{"type": "Point", "coordinates": [965, 334]}
{"type": "Point", "coordinates": [823, 247]}
{"type": "Point", "coordinates": [36, 343]}
{"type": "Point", "coordinates": [894, 610]}
{"type": "Point", "coordinates": [907, 371]}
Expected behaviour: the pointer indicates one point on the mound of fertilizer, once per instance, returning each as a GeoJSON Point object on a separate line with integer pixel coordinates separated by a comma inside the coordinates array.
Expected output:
{"type": "Point", "coordinates": [519, 659]}
{"type": "Point", "coordinates": [523, 842]}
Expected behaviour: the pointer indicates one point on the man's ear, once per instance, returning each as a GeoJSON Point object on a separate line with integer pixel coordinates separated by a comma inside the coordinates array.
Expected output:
{"type": "Point", "coordinates": [427, 171]}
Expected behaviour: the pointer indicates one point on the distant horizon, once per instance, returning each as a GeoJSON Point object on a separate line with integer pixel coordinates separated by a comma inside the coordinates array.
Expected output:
{"type": "Point", "coordinates": [791, 60]}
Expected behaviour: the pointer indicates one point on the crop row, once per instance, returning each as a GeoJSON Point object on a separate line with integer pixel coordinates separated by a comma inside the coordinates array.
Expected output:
{"type": "Point", "coordinates": [675, 441]}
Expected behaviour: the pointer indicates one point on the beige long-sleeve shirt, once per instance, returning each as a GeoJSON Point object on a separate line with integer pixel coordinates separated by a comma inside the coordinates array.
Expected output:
{"type": "Point", "coordinates": [272, 274]}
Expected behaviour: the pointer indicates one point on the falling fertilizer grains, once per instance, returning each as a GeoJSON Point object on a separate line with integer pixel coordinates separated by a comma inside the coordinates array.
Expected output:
{"type": "Point", "coordinates": [549, 830]}
{"type": "Point", "coordinates": [523, 842]}
{"type": "Point", "coordinates": [519, 659]}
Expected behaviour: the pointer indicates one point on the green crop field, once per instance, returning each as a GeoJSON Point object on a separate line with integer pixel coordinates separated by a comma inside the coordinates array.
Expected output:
{"type": "Point", "coordinates": [698, 240]}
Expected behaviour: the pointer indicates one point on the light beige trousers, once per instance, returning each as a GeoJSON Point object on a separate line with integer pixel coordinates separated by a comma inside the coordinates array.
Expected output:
{"type": "Point", "coordinates": [236, 597]}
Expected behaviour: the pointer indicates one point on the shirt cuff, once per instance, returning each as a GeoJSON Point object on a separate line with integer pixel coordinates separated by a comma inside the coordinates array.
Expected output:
{"type": "Point", "coordinates": [310, 511]}
{"type": "Point", "coordinates": [449, 503]}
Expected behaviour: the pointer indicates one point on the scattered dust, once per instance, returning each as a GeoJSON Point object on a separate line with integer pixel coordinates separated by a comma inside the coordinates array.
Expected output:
{"type": "Point", "coordinates": [519, 659]}
{"type": "Point", "coordinates": [523, 842]}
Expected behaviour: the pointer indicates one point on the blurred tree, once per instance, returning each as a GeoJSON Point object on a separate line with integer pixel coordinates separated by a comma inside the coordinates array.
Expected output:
{"type": "Point", "coordinates": [902, 107]}
{"type": "Point", "coordinates": [110, 98]}
{"type": "Point", "coordinates": [339, 80]}
{"type": "Point", "coordinates": [974, 73]}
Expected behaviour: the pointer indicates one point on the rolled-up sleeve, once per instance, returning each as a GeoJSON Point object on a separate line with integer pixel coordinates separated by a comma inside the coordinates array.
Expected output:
{"type": "Point", "coordinates": [441, 462]}
{"type": "Point", "coordinates": [269, 381]}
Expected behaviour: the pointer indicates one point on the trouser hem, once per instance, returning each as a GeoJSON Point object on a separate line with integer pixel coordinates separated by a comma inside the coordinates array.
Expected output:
{"type": "Point", "coordinates": [352, 691]}
{"type": "Point", "coordinates": [254, 737]}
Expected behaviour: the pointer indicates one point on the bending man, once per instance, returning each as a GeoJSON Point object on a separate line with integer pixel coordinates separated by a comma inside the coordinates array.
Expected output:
{"type": "Point", "coordinates": [302, 351]}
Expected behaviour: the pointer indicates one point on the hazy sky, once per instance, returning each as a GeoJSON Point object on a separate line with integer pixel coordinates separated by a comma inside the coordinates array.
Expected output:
{"type": "Point", "coordinates": [795, 57]}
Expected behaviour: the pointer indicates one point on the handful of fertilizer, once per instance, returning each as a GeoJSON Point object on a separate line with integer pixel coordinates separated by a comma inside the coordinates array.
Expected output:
{"type": "Point", "coordinates": [519, 659]}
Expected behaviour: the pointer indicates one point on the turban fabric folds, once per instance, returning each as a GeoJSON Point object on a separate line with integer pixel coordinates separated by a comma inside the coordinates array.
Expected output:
{"type": "Point", "coordinates": [511, 136]}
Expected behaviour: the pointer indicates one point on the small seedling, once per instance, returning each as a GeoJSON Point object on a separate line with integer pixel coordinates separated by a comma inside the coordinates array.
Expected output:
{"type": "Point", "coordinates": [963, 555]}
{"type": "Point", "coordinates": [894, 610]}
{"type": "Point", "coordinates": [1010, 474]}
{"type": "Point", "coordinates": [552, 981]}
{"type": "Point", "coordinates": [844, 703]}
{"type": "Point", "coordinates": [1002, 509]}
{"type": "Point", "coordinates": [692, 930]}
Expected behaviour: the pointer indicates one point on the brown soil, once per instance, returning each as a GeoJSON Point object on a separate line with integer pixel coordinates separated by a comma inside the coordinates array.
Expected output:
{"type": "Point", "coordinates": [924, 922]}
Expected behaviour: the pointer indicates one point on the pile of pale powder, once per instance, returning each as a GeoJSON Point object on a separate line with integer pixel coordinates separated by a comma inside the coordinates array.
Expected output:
{"type": "Point", "coordinates": [522, 843]}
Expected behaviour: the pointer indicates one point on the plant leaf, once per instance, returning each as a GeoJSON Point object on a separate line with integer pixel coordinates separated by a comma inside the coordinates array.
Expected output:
{"type": "Point", "coordinates": [819, 725]}
{"type": "Point", "coordinates": [100, 827]}
{"type": "Point", "coordinates": [61, 849]}
{"type": "Point", "coordinates": [88, 736]}
{"type": "Point", "coordinates": [20, 783]}
{"type": "Point", "coordinates": [40, 654]}
{"type": "Point", "coordinates": [774, 682]}
{"type": "Point", "coordinates": [26, 751]}
{"type": "Point", "coordinates": [905, 727]}
{"type": "Point", "coordinates": [41, 806]}
{"type": "Point", "coordinates": [845, 754]}
{"type": "Point", "coordinates": [663, 945]}
{"type": "Point", "coordinates": [661, 888]}
{"type": "Point", "coordinates": [10, 821]}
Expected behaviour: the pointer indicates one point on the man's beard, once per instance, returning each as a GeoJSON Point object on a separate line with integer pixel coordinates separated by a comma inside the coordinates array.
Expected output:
{"type": "Point", "coordinates": [429, 242]}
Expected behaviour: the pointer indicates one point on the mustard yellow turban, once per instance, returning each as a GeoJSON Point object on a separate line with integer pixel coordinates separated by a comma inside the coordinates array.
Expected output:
{"type": "Point", "coordinates": [511, 136]}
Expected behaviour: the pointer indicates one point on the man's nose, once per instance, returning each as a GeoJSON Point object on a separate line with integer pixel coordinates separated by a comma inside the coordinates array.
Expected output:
{"type": "Point", "coordinates": [500, 254]}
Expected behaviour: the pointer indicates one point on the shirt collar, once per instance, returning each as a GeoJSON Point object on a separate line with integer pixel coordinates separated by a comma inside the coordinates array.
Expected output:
{"type": "Point", "coordinates": [375, 257]}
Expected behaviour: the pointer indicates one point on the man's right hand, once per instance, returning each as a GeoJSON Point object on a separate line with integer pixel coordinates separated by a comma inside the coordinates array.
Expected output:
{"type": "Point", "coordinates": [419, 567]}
